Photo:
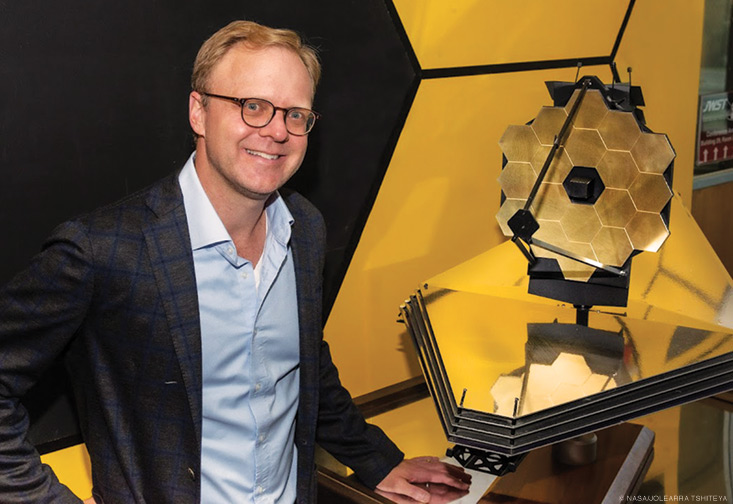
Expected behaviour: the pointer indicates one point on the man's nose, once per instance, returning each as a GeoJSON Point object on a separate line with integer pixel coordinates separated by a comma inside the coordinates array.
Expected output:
{"type": "Point", "coordinates": [276, 127]}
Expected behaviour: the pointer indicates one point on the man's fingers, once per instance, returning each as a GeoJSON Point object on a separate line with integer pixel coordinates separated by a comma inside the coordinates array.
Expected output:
{"type": "Point", "coordinates": [448, 474]}
{"type": "Point", "coordinates": [403, 487]}
{"type": "Point", "coordinates": [439, 494]}
{"type": "Point", "coordinates": [414, 492]}
{"type": "Point", "coordinates": [459, 473]}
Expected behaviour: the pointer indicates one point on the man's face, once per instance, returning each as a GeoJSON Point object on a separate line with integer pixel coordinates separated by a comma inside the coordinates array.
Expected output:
{"type": "Point", "coordinates": [232, 157]}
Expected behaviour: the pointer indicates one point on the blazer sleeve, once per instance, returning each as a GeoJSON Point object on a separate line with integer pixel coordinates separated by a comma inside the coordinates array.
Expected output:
{"type": "Point", "coordinates": [40, 310]}
{"type": "Point", "coordinates": [343, 432]}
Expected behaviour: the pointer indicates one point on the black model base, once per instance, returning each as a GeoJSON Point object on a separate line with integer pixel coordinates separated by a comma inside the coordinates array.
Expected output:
{"type": "Point", "coordinates": [484, 461]}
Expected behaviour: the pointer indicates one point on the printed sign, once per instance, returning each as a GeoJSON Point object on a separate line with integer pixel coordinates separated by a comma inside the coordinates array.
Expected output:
{"type": "Point", "coordinates": [715, 128]}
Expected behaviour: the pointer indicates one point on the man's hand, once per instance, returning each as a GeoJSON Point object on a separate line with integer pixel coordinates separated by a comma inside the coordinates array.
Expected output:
{"type": "Point", "coordinates": [413, 478]}
{"type": "Point", "coordinates": [439, 494]}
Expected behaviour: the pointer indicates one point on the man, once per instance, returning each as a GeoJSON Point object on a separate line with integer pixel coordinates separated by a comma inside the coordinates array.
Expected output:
{"type": "Point", "coordinates": [189, 315]}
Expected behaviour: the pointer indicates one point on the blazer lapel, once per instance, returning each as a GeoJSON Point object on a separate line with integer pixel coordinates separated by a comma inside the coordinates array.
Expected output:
{"type": "Point", "coordinates": [305, 289]}
{"type": "Point", "coordinates": [169, 248]}
{"type": "Point", "coordinates": [307, 259]}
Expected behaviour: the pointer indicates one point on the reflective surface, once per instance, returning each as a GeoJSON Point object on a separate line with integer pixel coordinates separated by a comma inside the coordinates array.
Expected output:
{"type": "Point", "coordinates": [684, 283]}
{"type": "Point", "coordinates": [515, 358]}
{"type": "Point", "coordinates": [511, 371]}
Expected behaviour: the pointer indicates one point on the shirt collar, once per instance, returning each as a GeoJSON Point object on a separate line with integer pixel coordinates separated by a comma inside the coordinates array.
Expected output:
{"type": "Point", "coordinates": [205, 226]}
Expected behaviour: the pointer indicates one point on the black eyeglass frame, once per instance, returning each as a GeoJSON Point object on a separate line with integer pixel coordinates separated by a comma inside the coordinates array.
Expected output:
{"type": "Point", "coordinates": [242, 101]}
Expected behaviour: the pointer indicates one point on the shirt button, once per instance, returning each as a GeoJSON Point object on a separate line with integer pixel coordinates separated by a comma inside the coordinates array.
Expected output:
{"type": "Point", "coordinates": [260, 490]}
{"type": "Point", "coordinates": [191, 474]}
{"type": "Point", "coordinates": [261, 438]}
{"type": "Point", "coordinates": [258, 386]}
{"type": "Point", "coordinates": [230, 250]}
{"type": "Point", "coordinates": [244, 275]}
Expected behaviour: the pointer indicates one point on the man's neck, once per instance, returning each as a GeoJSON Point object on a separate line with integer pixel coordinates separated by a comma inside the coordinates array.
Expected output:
{"type": "Point", "coordinates": [243, 215]}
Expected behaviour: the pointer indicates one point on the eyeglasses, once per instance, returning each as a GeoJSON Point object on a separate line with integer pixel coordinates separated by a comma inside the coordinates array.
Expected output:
{"type": "Point", "coordinates": [258, 113]}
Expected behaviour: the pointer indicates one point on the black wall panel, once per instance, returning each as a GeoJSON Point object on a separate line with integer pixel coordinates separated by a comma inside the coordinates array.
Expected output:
{"type": "Point", "coordinates": [93, 106]}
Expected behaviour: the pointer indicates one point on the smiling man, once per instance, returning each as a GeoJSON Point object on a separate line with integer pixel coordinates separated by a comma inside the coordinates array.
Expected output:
{"type": "Point", "coordinates": [190, 315]}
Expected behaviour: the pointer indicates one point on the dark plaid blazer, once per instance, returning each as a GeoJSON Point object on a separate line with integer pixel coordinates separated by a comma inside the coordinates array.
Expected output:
{"type": "Point", "coordinates": [114, 293]}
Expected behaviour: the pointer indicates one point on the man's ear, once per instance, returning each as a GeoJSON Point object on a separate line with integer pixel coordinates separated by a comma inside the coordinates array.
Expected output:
{"type": "Point", "coordinates": [196, 113]}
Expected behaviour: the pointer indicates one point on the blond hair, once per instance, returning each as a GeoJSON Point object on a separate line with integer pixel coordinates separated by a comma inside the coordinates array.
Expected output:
{"type": "Point", "coordinates": [256, 36]}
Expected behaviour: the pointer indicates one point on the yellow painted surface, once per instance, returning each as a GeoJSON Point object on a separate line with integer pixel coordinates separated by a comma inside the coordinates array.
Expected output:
{"type": "Point", "coordinates": [663, 46]}
{"type": "Point", "coordinates": [481, 32]}
{"type": "Point", "coordinates": [435, 209]}
{"type": "Point", "coordinates": [686, 276]}
{"type": "Point", "coordinates": [415, 428]}
{"type": "Point", "coordinates": [73, 469]}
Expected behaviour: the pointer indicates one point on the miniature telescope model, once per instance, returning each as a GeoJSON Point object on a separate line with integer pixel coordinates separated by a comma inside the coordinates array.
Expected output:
{"type": "Point", "coordinates": [553, 335]}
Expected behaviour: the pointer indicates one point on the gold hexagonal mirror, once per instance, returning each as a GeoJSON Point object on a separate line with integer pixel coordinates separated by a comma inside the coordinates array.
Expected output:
{"type": "Point", "coordinates": [608, 167]}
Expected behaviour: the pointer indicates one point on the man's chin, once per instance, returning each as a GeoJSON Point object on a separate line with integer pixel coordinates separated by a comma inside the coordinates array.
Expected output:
{"type": "Point", "coordinates": [259, 187]}
{"type": "Point", "coordinates": [259, 193]}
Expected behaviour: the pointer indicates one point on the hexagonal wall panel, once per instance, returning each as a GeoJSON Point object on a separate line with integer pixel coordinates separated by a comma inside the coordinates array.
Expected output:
{"type": "Point", "coordinates": [471, 32]}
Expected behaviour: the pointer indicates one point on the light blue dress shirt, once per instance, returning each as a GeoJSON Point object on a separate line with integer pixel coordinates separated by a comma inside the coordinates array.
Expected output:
{"type": "Point", "coordinates": [250, 356]}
